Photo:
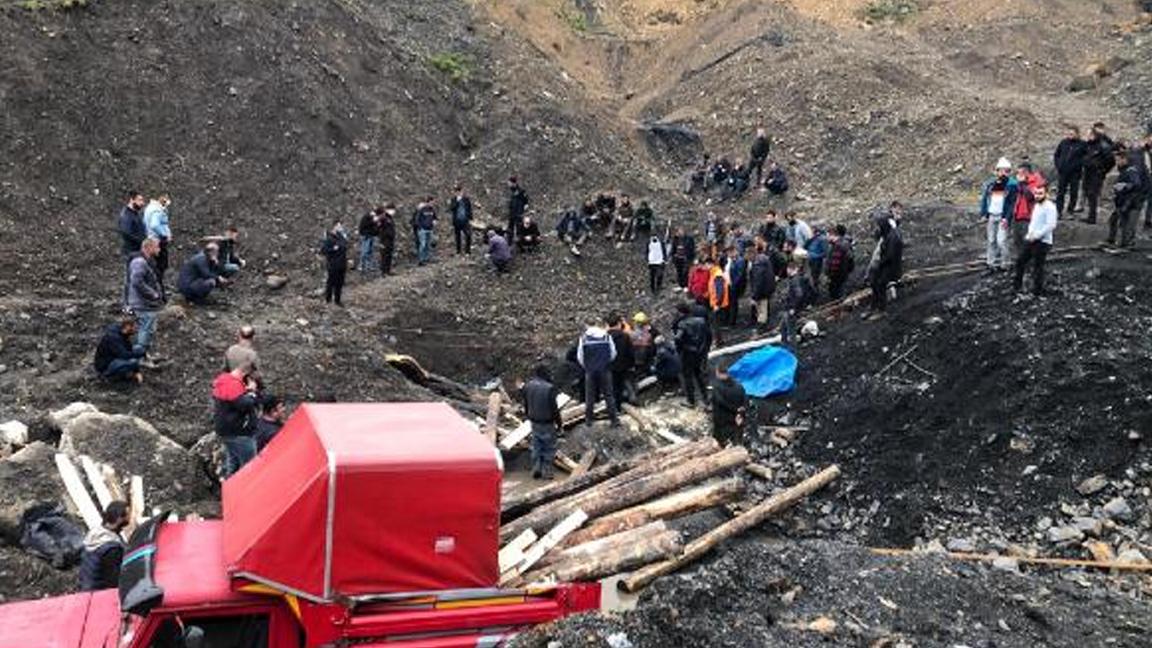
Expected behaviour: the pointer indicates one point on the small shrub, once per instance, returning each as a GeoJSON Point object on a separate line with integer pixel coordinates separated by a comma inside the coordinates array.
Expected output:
{"type": "Point", "coordinates": [576, 19]}
{"type": "Point", "coordinates": [454, 65]}
{"type": "Point", "coordinates": [889, 10]}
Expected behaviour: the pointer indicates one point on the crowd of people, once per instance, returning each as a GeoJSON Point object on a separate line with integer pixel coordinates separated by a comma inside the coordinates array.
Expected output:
{"type": "Point", "coordinates": [1021, 212]}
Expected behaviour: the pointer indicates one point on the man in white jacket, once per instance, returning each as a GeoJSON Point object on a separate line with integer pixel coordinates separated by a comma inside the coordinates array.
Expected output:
{"type": "Point", "coordinates": [657, 258]}
{"type": "Point", "coordinates": [1037, 242]}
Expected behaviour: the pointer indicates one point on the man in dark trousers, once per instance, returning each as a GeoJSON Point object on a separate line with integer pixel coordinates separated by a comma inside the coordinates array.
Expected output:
{"type": "Point", "coordinates": [1128, 198]}
{"type": "Point", "coordinates": [761, 146]}
{"type": "Point", "coordinates": [1069, 160]}
{"type": "Point", "coordinates": [683, 252]}
{"type": "Point", "coordinates": [334, 249]}
{"type": "Point", "coordinates": [104, 550]}
{"type": "Point", "coordinates": [1098, 161]}
{"type": "Point", "coordinates": [762, 284]}
{"type": "Point", "coordinates": [517, 205]}
{"type": "Point", "coordinates": [117, 356]}
{"type": "Point", "coordinates": [539, 397]}
{"type": "Point", "coordinates": [369, 231]}
{"type": "Point", "coordinates": [625, 360]}
{"type": "Point", "coordinates": [595, 353]}
{"type": "Point", "coordinates": [234, 419]}
{"type": "Point", "coordinates": [888, 266]}
{"type": "Point", "coordinates": [729, 408]}
{"type": "Point", "coordinates": [145, 294]}
{"type": "Point", "coordinates": [1037, 242]}
{"type": "Point", "coordinates": [693, 339]}
{"type": "Point", "coordinates": [132, 230]}
{"type": "Point", "coordinates": [841, 261]}
{"type": "Point", "coordinates": [200, 275]}
{"type": "Point", "coordinates": [460, 208]}
{"type": "Point", "coordinates": [386, 219]}
{"type": "Point", "coordinates": [1140, 159]}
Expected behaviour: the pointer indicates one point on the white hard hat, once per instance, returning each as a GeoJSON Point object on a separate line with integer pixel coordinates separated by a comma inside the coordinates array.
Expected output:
{"type": "Point", "coordinates": [810, 329]}
{"type": "Point", "coordinates": [1003, 163]}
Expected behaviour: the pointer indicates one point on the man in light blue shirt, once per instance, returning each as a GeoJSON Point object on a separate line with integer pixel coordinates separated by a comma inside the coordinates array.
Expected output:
{"type": "Point", "coordinates": [156, 225]}
{"type": "Point", "coordinates": [1037, 241]}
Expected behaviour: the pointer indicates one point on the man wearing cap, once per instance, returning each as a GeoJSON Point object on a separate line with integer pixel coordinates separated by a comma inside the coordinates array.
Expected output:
{"type": "Point", "coordinates": [517, 205]}
{"type": "Point", "coordinates": [997, 204]}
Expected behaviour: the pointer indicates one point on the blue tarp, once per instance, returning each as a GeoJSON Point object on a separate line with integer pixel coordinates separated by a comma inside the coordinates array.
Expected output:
{"type": "Point", "coordinates": [766, 371]}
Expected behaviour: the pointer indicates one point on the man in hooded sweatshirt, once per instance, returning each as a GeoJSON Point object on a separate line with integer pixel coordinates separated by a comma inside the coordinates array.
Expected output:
{"type": "Point", "coordinates": [234, 394]}
{"type": "Point", "coordinates": [104, 550]}
{"type": "Point", "coordinates": [595, 352]}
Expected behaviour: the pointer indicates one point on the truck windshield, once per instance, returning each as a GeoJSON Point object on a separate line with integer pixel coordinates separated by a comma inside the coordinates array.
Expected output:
{"type": "Point", "coordinates": [241, 631]}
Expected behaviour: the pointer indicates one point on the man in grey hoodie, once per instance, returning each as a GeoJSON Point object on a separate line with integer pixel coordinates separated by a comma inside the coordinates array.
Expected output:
{"type": "Point", "coordinates": [595, 352]}
{"type": "Point", "coordinates": [104, 550]}
{"type": "Point", "coordinates": [145, 292]}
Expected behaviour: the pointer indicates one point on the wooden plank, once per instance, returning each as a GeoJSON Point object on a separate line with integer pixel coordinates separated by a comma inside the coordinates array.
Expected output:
{"type": "Point", "coordinates": [77, 493]}
{"type": "Point", "coordinates": [492, 422]}
{"type": "Point", "coordinates": [565, 463]}
{"type": "Point", "coordinates": [112, 480]}
{"type": "Point", "coordinates": [136, 499]}
{"type": "Point", "coordinates": [761, 471]}
{"type": "Point", "coordinates": [1024, 560]}
{"type": "Point", "coordinates": [522, 431]}
{"type": "Point", "coordinates": [96, 479]}
{"type": "Point", "coordinates": [585, 463]}
{"type": "Point", "coordinates": [513, 552]}
{"type": "Point", "coordinates": [545, 544]}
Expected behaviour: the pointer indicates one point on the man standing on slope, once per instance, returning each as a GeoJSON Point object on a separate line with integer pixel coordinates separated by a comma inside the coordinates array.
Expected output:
{"type": "Point", "coordinates": [517, 205]}
{"type": "Point", "coordinates": [1037, 242]}
{"type": "Point", "coordinates": [1128, 199]}
{"type": "Point", "coordinates": [1069, 160]}
{"type": "Point", "coordinates": [997, 203]}
{"type": "Point", "coordinates": [1098, 161]}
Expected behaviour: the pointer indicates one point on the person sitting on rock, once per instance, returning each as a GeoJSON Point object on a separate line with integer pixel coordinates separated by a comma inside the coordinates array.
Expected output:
{"type": "Point", "coordinates": [117, 356]}
{"type": "Point", "coordinates": [200, 275]}
{"type": "Point", "coordinates": [573, 230]}
{"type": "Point", "coordinates": [104, 550]}
{"type": "Point", "coordinates": [589, 211]}
{"type": "Point", "coordinates": [272, 414]}
{"type": "Point", "coordinates": [499, 252]}
{"type": "Point", "coordinates": [234, 395]}
{"type": "Point", "coordinates": [528, 236]}
{"type": "Point", "coordinates": [777, 181]}
{"type": "Point", "coordinates": [621, 225]}
{"type": "Point", "coordinates": [605, 209]}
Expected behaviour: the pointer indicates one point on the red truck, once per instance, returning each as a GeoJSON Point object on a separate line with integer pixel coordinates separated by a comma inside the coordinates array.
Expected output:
{"type": "Point", "coordinates": [360, 524]}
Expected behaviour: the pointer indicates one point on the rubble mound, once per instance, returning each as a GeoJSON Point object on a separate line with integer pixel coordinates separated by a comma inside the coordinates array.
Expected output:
{"type": "Point", "coordinates": [816, 593]}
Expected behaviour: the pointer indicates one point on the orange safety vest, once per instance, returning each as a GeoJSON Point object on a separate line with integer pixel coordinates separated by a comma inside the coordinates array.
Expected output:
{"type": "Point", "coordinates": [718, 298]}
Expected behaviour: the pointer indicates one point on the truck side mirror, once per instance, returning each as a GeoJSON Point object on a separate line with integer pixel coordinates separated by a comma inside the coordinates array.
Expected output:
{"type": "Point", "coordinates": [193, 637]}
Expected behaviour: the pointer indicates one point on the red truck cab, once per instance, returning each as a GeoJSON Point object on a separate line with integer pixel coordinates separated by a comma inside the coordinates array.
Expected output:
{"type": "Point", "coordinates": [365, 524]}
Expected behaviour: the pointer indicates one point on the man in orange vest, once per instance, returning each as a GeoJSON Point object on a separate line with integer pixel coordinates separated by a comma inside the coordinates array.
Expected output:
{"type": "Point", "coordinates": [718, 289]}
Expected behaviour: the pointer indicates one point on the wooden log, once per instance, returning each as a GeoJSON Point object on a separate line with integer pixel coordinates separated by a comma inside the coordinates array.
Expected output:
{"type": "Point", "coordinates": [545, 544]}
{"type": "Point", "coordinates": [492, 421]}
{"type": "Point", "coordinates": [74, 486]}
{"type": "Point", "coordinates": [602, 501]}
{"type": "Point", "coordinates": [518, 505]}
{"type": "Point", "coordinates": [761, 471]}
{"type": "Point", "coordinates": [136, 500]}
{"type": "Point", "coordinates": [655, 548]}
{"type": "Point", "coordinates": [741, 523]}
{"type": "Point", "coordinates": [514, 551]}
{"type": "Point", "coordinates": [575, 414]}
{"type": "Point", "coordinates": [96, 479]}
{"type": "Point", "coordinates": [565, 551]}
{"type": "Point", "coordinates": [667, 508]}
{"type": "Point", "coordinates": [585, 463]}
{"type": "Point", "coordinates": [113, 482]}
{"type": "Point", "coordinates": [564, 462]}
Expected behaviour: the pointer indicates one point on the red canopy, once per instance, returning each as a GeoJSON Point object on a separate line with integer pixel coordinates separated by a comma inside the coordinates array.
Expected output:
{"type": "Point", "coordinates": [369, 498]}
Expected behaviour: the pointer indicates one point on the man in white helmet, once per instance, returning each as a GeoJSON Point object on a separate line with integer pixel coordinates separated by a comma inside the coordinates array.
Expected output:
{"type": "Point", "coordinates": [996, 207]}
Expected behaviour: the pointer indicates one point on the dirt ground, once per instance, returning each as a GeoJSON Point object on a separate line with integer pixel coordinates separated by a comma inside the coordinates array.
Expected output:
{"type": "Point", "coordinates": [282, 117]}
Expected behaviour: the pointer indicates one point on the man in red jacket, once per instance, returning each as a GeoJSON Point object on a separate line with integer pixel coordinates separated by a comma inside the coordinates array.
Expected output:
{"type": "Point", "coordinates": [698, 279]}
{"type": "Point", "coordinates": [234, 394]}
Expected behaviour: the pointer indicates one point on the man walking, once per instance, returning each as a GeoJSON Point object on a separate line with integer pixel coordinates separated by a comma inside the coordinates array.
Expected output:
{"type": "Point", "coordinates": [997, 204]}
{"type": "Point", "coordinates": [517, 205]}
{"type": "Point", "coordinates": [461, 210]}
{"type": "Point", "coordinates": [423, 224]}
{"type": "Point", "coordinates": [234, 395]}
{"type": "Point", "coordinates": [156, 225]}
{"type": "Point", "coordinates": [761, 146]}
{"type": "Point", "coordinates": [841, 261]}
{"type": "Point", "coordinates": [1128, 199]}
{"type": "Point", "coordinates": [387, 227]}
{"type": "Point", "coordinates": [1037, 242]}
{"type": "Point", "coordinates": [104, 549]}
{"type": "Point", "coordinates": [145, 294]}
{"type": "Point", "coordinates": [369, 231]}
{"type": "Point", "coordinates": [539, 397]}
{"type": "Point", "coordinates": [334, 249]}
{"type": "Point", "coordinates": [1098, 161]}
{"type": "Point", "coordinates": [1069, 160]}
{"type": "Point", "coordinates": [595, 353]}
{"type": "Point", "coordinates": [762, 282]}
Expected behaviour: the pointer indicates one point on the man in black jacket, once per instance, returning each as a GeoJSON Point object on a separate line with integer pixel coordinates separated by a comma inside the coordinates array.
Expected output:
{"type": "Point", "coordinates": [460, 208]}
{"type": "Point", "coordinates": [1128, 199]}
{"type": "Point", "coordinates": [1098, 161]}
{"type": "Point", "coordinates": [1069, 160]}
{"type": "Point", "coordinates": [131, 225]}
{"type": "Point", "coordinates": [386, 222]}
{"type": "Point", "coordinates": [423, 225]}
{"type": "Point", "coordinates": [761, 146]}
{"type": "Point", "coordinates": [762, 284]}
{"type": "Point", "coordinates": [539, 397]}
{"type": "Point", "coordinates": [369, 231]}
{"type": "Point", "coordinates": [683, 253]}
{"type": "Point", "coordinates": [200, 275]}
{"type": "Point", "coordinates": [517, 205]}
{"type": "Point", "coordinates": [729, 408]}
{"type": "Point", "coordinates": [334, 249]}
{"type": "Point", "coordinates": [104, 550]}
{"type": "Point", "coordinates": [117, 357]}
{"type": "Point", "coordinates": [234, 416]}
{"type": "Point", "coordinates": [888, 264]}
{"type": "Point", "coordinates": [624, 362]}
{"type": "Point", "coordinates": [693, 339]}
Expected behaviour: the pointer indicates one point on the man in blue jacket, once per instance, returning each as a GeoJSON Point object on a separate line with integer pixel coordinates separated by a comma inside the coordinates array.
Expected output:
{"type": "Point", "coordinates": [997, 203]}
{"type": "Point", "coordinates": [200, 275]}
{"type": "Point", "coordinates": [595, 353]}
{"type": "Point", "coordinates": [130, 224]}
{"type": "Point", "coordinates": [117, 356]}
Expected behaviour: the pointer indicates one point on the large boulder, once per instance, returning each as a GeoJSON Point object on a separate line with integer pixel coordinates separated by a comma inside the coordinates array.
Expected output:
{"type": "Point", "coordinates": [172, 475]}
{"type": "Point", "coordinates": [27, 478]}
{"type": "Point", "coordinates": [60, 418]}
{"type": "Point", "coordinates": [14, 433]}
